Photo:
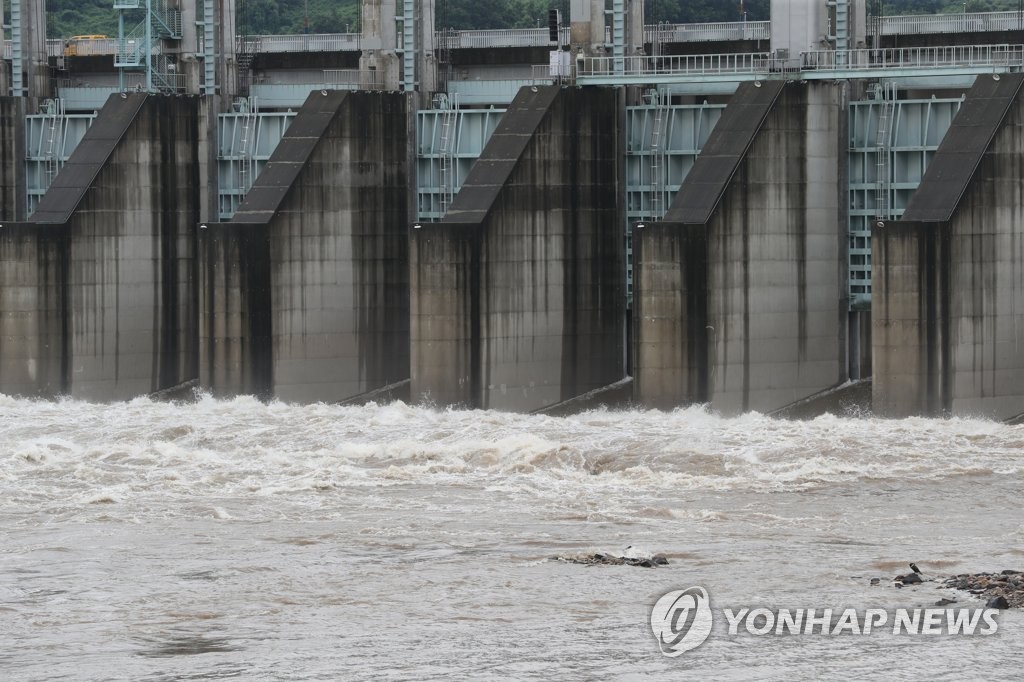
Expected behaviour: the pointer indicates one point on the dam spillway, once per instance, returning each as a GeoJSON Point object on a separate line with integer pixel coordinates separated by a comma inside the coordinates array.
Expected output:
{"type": "Point", "coordinates": [99, 287]}
{"type": "Point", "coordinates": [722, 229]}
{"type": "Point", "coordinates": [517, 293]}
{"type": "Point", "coordinates": [304, 292]}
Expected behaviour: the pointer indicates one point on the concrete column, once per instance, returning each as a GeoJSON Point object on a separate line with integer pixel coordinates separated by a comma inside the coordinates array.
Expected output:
{"type": "Point", "coordinates": [517, 295]}
{"type": "Point", "coordinates": [911, 325]}
{"type": "Point", "coordinates": [33, 315]}
{"type": "Point", "coordinates": [189, 64]}
{"type": "Point", "coordinates": [767, 195]}
{"type": "Point", "coordinates": [305, 292]}
{"type": "Point", "coordinates": [112, 285]}
{"type": "Point", "coordinates": [587, 26]}
{"type": "Point", "coordinates": [379, 41]}
{"type": "Point", "coordinates": [799, 26]}
{"type": "Point", "coordinates": [207, 115]}
{"type": "Point", "coordinates": [5, 73]}
{"type": "Point", "coordinates": [426, 67]}
{"type": "Point", "coordinates": [227, 63]}
{"type": "Point", "coordinates": [634, 27]}
{"type": "Point", "coordinates": [670, 301]}
{"type": "Point", "coordinates": [12, 155]}
{"type": "Point", "coordinates": [36, 60]}
{"type": "Point", "coordinates": [948, 293]}
{"type": "Point", "coordinates": [858, 22]}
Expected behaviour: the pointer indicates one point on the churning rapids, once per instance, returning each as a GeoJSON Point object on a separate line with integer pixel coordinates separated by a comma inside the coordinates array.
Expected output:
{"type": "Point", "coordinates": [220, 539]}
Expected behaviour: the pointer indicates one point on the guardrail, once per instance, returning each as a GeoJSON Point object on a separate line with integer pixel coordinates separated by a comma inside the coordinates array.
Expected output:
{"type": "Point", "coordinates": [974, 22]}
{"type": "Point", "coordinates": [701, 64]}
{"type": "Point", "coordinates": [54, 48]}
{"type": "Point", "coordinates": [351, 79]}
{"type": "Point", "coordinates": [963, 56]}
{"type": "Point", "coordinates": [302, 42]}
{"type": "Point", "coordinates": [538, 37]}
{"type": "Point", "coordinates": [996, 57]}
{"type": "Point", "coordinates": [698, 33]}
{"type": "Point", "coordinates": [505, 37]}
{"type": "Point", "coordinates": [132, 80]}
{"type": "Point", "coordinates": [81, 48]}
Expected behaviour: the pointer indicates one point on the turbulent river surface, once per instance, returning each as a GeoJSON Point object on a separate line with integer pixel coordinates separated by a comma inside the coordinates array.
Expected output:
{"type": "Point", "coordinates": [236, 539]}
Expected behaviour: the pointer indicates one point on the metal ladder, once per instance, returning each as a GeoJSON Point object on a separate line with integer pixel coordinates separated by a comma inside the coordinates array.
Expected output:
{"type": "Point", "coordinates": [883, 143]}
{"type": "Point", "coordinates": [247, 146]}
{"type": "Point", "coordinates": [449, 133]}
{"type": "Point", "coordinates": [657, 156]}
{"type": "Point", "coordinates": [55, 141]}
{"type": "Point", "coordinates": [409, 45]}
{"type": "Point", "coordinates": [209, 24]}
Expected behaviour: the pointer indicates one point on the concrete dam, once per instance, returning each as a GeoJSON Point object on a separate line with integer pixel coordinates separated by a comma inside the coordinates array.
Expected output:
{"type": "Point", "coordinates": [693, 214]}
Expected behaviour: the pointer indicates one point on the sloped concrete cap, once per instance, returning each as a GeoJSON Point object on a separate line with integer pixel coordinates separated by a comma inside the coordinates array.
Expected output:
{"type": "Point", "coordinates": [728, 144]}
{"type": "Point", "coordinates": [88, 159]}
{"type": "Point", "coordinates": [960, 152]}
{"type": "Point", "coordinates": [263, 200]}
{"type": "Point", "coordinates": [492, 170]}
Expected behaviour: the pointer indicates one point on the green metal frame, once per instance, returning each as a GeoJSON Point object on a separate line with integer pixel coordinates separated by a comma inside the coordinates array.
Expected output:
{"type": "Point", "coordinates": [911, 132]}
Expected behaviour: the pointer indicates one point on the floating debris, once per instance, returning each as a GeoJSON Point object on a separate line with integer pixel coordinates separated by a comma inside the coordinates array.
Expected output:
{"type": "Point", "coordinates": [599, 559]}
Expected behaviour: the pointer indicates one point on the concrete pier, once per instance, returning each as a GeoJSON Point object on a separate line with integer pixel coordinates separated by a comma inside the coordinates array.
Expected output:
{"type": "Point", "coordinates": [948, 317]}
{"type": "Point", "coordinates": [305, 291]}
{"type": "Point", "coordinates": [517, 294]}
{"type": "Point", "coordinates": [12, 151]}
{"type": "Point", "coordinates": [97, 293]}
{"type": "Point", "coordinates": [739, 294]}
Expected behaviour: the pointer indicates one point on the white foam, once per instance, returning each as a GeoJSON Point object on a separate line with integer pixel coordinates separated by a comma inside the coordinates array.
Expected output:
{"type": "Point", "coordinates": [243, 447]}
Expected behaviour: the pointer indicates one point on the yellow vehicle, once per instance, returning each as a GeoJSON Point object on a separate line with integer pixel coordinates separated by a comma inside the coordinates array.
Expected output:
{"type": "Point", "coordinates": [76, 46]}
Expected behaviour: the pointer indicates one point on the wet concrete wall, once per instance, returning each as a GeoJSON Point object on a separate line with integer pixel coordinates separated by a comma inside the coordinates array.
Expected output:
{"type": "Point", "coordinates": [740, 293]}
{"type": "Point", "coordinates": [910, 292]}
{"type": "Point", "coordinates": [110, 253]}
{"type": "Point", "coordinates": [235, 340]}
{"type": "Point", "coordinates": [517, 295]}
{"type": "Point", "coordinates": [33, 314]}
{"type": "Point", "coordinates": [12, 157]}
{"type": "Point", "coordinates": [305, 291]}
{"type": "Point", "coordinates": [670, 315]}
{"type": "Point", "coordinates": [948, 317]}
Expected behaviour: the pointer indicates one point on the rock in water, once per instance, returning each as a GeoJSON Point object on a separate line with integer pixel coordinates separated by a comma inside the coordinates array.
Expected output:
{"type": "Point", "coordinates": [1003, 590]}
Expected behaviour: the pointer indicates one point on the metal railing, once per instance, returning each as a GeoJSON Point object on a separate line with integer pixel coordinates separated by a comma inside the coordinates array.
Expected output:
{"type": "Point", "coordinates": [79, 48]}
{"type": "Point", "coordinates": [130, 51]}
{"type": "Point", "coordinates": [710, 64]}
{"type": "Point", "coordinates": [965, 56]}
{"type": "Point", "coordinates": [545, 74]}
{"type": "Point", "coordinates": [133, 80]}
{"type": "Point", "coordinates": [996, 57]}
{"type": "Point", "coordinates": [54, 48]}
{"type": "Point", "coordinates": [168, 82]}
{"type": "Point", "coordinates": [303, 42]}
{"type": "Point", "coordinates": [538, 37]}
{"type": "Point", "coordinates": [352, 79]}
{"type": "Point", "coordinates": [974, 22]}
{"type": "Point", "coordinates": [698, 33]}
{"type": "Point", "coordinates": [505, 37]}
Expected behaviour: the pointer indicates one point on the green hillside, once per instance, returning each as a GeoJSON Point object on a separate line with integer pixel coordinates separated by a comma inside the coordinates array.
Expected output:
{"type": "Point", "coordinates": [69, 17]}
